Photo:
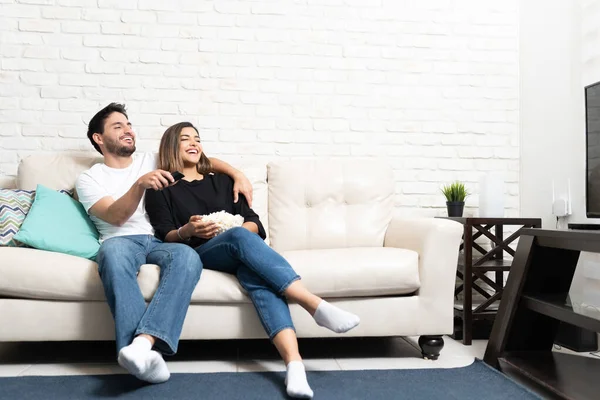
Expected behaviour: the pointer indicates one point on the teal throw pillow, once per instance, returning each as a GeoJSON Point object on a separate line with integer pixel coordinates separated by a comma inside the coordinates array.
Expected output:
{"type": "Point", "coordinates": [56, 222]}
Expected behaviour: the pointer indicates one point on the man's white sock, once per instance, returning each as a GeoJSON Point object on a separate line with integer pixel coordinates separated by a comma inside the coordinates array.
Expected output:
{"type": "Point", "coordinates": [334, 318]}
{"type": "Point", "coordinates": [142, 362]}
{"type": "Point", "coordinates": [295, 381]}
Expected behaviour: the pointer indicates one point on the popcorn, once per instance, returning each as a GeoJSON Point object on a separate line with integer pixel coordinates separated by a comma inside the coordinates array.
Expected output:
{"type": "Point", "coordinates": [224, 220]}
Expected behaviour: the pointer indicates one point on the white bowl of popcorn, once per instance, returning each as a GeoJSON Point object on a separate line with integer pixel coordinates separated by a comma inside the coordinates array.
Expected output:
{"type": "Point", "coordinates": [224, 220]}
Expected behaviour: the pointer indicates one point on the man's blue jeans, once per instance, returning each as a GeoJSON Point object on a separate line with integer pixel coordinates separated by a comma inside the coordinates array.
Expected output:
{"type": "Point", "coordinates": [261, 271]}
{"type": "Point", "coordinates": [119, 261]}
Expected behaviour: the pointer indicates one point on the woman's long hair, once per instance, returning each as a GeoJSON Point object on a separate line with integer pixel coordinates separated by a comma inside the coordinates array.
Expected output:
{"type": "Point", "coordinates": [169, 158]}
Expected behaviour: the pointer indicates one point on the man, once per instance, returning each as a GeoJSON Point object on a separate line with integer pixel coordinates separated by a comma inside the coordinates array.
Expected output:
{"type": "Point", "coordinates": [113, 195]}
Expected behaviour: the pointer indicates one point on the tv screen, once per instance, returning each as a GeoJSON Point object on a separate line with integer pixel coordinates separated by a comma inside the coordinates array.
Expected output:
{"type": "Point", "coordinates": [592, 127]}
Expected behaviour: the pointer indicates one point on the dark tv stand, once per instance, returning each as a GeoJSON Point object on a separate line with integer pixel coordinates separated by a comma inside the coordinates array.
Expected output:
{"type": "Point", "coordinates": [534, 303]}
{"type": "Point", "coordinates": [585, 227]}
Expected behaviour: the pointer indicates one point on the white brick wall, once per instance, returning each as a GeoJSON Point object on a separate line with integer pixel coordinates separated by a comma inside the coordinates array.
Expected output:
{"type": "Point", "coordinates": [431, 86]}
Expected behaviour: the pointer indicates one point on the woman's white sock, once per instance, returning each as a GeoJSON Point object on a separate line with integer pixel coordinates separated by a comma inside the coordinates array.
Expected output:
{"type": "Point", "coordinates": [295, 381]}
{"type": "Point", "coordinates": [334, 318]}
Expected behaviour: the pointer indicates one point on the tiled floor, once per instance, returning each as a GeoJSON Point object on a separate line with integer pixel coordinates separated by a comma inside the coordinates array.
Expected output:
{"type": "Point", "coordinates": [80, 358]}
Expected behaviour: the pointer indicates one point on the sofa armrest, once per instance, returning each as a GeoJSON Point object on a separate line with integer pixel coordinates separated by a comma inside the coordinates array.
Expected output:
{"type": "Point", "coordinates": [437, 241]}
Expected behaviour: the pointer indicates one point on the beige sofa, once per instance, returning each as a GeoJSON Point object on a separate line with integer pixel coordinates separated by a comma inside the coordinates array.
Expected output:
{"type": "Point", "coordinates": [333, 221]}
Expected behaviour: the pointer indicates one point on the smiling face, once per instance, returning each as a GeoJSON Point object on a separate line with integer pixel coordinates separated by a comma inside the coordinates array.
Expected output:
{"type": "Point", "coordinates": [118, 137]}
{"type": "Point", "coordinates": [180, 148]}
{"type": "Point", "coordinates": [190, 149]}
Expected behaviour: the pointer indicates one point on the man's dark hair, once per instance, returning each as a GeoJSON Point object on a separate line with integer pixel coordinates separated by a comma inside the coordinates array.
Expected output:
{"type": "Point", "coordinates": [96, 124]}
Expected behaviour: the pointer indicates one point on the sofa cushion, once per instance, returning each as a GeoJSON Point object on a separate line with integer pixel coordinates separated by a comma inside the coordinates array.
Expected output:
{"type": "Point", "coordinates": [56, 171]}
{"type": "Point", "coordinates": [328, 204]}
{"type": "Point", "coordinates": [38, 274]}
{"type": "Point", "coordinates": [355, 272]}
{"type": "Point", "coordinates": [257, 175]}
{"type": "Point", "coordinates": [56, 222]}
{"type": "Point", "coordinates": [14, 206]}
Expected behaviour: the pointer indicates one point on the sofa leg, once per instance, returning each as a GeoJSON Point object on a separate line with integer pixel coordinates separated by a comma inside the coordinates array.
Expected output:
{"type": "Point", "coordinates": [431, 346]}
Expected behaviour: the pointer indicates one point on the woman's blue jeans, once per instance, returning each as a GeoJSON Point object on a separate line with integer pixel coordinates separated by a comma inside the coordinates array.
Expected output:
{"type": "Point", "coordinates": [261, 271]}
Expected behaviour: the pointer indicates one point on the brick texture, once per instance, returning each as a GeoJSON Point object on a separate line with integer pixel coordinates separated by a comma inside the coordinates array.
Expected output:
{"type": "Point", "coordinates": [430, 86]}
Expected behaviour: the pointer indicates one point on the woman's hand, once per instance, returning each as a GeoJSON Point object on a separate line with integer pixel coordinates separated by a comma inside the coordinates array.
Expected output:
{"type": "Point", "coordinates": [198, 228]}
{"type": "Point", "coordinates": [242, 185]}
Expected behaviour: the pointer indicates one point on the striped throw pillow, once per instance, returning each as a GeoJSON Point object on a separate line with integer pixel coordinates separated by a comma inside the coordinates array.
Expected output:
{"type": "Point", "coordinates": [14, 206]}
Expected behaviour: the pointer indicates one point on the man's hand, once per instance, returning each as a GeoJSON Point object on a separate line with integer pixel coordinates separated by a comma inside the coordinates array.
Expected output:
{"type": "Point", "coordinates": [242, 185]}
{"type": "Point", "coordinates": [156, 180]}
{"type": "Point", "coordinates": [199, 228]}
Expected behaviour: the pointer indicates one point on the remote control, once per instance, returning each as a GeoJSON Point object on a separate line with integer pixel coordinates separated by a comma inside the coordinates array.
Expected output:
{"type": "Point", "coordinates": [177, 175]}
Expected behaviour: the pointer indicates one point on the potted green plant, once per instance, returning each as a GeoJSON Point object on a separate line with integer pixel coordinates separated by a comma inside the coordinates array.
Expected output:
{"type": "Point", "coordinates": [455, 193]}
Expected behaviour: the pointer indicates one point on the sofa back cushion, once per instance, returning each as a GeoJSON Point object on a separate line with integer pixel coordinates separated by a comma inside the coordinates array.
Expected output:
{"type": "Point", "coordinates": [257, 175]}
{"type": "Point", "coordinates": [321, 204]}
{"type": "Point", "coordinates": [57, 171]}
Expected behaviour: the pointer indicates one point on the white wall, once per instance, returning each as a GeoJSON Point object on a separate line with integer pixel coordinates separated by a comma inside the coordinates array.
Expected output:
{"type": "Point", "coordinates": [551, 107]}
{"type": "Point", "coordinates": [591, 41]}
{"type": "Point", "coordinates": [430, 85]}
{"type": "Point", "coordinates": [585, 289]}
{"type": "Point", "coordinates": [559, 56]}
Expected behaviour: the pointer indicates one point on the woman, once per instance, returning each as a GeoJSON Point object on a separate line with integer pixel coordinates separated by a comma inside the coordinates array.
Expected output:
{"type": "Point", "coordinates": [176, 214]}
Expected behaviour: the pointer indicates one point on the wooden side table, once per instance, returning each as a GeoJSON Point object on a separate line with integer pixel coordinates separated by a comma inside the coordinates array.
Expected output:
{"type": "Point", "coordinates": [471, 271]}
{"type": "Point", "coordinates": [536, 301]}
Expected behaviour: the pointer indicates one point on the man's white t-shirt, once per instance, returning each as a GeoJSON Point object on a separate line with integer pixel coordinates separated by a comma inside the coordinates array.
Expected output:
{"type": "Point", "coordinates": [101, 181]}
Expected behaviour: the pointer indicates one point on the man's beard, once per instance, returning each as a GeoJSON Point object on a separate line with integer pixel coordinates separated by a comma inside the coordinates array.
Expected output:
{"type": "Point", "coordinates": [114, 147]}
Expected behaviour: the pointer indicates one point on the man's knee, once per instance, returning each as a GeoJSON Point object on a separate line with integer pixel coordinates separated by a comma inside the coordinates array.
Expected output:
{"type": "Point", "coordinates": [115, 255]}
{"type": "Point", "coordinates": [189, 260]}
{"type": "Point", "coordinates": [116, 246]}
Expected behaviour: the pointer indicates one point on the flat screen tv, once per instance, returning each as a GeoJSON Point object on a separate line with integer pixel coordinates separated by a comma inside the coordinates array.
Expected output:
{"type": "Point", "coordinates": [592, 140]}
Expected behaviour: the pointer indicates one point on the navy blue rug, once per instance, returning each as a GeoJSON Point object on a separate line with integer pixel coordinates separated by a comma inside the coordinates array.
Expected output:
{"type": "Point", "coordinates": [477, 381]}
